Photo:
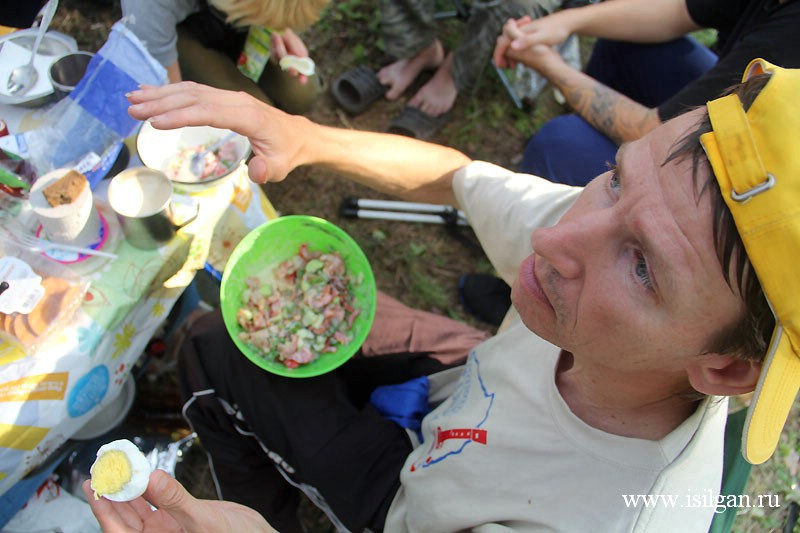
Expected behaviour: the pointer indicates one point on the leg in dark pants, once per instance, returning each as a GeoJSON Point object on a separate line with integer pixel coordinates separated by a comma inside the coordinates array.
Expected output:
{"type": "Point", "coordinates": [258, 427]}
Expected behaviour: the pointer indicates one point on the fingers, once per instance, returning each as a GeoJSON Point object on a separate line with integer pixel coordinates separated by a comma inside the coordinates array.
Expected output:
{"type": "Point", "coordinates": [278, 46]}
{"type": "Point", "coordinates": [257, 170]}
{"type": "Point", "coordinates": [294, 44]}
{"type": "Point", "coordinates": [514, 33]}
{"type": "Point", "coordinates": [524, 19]}
{"type": "Point", "coordinates": [152, 102]}
{"type": "Point", "coordinates": [191, 104]}
{"type": "Point", "coordinates": [499, 55]}
{"type": "Point", "coordinates": [523, 32]}
{"type": "Point", "coordinates": [151, 92]}
{"type": "Point", "coordinates": [511, 32]}
{"type": "Point", "coordinates": [166, 493]}
{"type": "Point", "coordinates": [112, 516]}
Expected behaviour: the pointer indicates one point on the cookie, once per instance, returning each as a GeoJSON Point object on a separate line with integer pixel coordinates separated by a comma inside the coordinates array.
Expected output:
{"type": "Point", "coordinates": [37, 321]}
{"type": "Point", "coordinates": [21, 331]}
{"type": "Point", "coordinates": [50, 306]}
{"type": "Point", "coordinates": [29, 328]}
{"type": "Point", "coordinates": [5, 323]}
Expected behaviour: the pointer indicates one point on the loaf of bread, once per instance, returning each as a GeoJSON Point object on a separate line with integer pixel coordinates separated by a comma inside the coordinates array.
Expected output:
{"type": "Point", "coordinates": [66, 189]}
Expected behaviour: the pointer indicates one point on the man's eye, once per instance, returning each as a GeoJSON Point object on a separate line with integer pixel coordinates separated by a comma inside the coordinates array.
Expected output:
{"type": "Point", "coordinates": [613, 180]}
{"type": "Point", "coordinates": [642, 272]}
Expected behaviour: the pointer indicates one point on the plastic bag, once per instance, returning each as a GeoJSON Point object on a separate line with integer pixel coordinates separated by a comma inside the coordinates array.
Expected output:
{"type": "Point", "coordinates": [53, 509]}
{"type": "Point", "coordinates": [16, 175]}
{"type": "Point", "coordinates": [90, 124]}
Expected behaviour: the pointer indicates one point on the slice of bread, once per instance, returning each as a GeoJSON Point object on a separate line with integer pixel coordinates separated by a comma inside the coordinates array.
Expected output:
{"type": "Point", "coordinates": [65, 189]}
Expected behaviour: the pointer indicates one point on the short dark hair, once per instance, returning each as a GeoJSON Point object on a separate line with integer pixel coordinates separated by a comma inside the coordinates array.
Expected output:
{"type": "Point", "coordinates": [750, 337]}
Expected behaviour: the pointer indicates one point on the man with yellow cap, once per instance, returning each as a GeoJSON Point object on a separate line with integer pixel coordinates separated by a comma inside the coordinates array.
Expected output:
{"type": "Point", "coordinates": [754, 158]}
{"type": "Point", "coordinates": [640, 302]}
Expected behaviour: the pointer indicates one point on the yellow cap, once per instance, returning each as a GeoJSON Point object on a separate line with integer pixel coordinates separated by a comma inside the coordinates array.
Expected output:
{"type": "Point", "coordinates": [756, 160]}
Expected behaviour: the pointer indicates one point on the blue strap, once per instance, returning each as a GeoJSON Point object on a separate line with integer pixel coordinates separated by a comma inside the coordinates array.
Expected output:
{"type": "Point", "coordinates": [406, 404]}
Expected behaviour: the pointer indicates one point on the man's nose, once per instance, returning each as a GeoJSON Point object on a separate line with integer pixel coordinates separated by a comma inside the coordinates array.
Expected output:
{"type": "Point", "coordinates": [571, 245]}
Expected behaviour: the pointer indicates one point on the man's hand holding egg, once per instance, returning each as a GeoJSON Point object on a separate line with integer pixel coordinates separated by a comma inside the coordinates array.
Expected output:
{"type": "Point", "coordinates": [156, 502]}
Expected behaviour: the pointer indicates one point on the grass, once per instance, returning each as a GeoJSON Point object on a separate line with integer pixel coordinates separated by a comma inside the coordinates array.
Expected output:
{"type": "Point", "coordinates": [778, 476]}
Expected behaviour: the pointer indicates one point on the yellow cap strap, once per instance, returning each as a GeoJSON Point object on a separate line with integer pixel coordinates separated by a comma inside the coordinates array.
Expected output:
{"type": "Point", "coordinates": [737, 148]}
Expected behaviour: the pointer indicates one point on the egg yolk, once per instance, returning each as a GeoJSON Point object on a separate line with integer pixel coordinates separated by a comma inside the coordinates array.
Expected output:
{"type": "Point", "coordinates": [111, 472]}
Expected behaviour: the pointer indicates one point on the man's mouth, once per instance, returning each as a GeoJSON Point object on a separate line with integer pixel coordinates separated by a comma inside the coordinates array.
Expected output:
{"type": "Point", "coordinates": [530, 281]}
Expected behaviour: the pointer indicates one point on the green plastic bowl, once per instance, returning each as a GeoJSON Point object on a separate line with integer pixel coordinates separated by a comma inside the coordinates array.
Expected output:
{"type": "Point", "coordinates": [276, 241]}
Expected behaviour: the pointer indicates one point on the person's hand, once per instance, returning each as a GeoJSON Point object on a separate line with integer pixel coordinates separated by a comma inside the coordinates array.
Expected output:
{"type": "Point", "coordinates": [287, 43]}
{"type": "Point", "coordinates": [525, 33]}
{"type": "Point", "coordinates": [537, 56]}
{"type": "Point", "coordinates": [276, 137]}
{"type": "Point", "coordinates": [176, 510]}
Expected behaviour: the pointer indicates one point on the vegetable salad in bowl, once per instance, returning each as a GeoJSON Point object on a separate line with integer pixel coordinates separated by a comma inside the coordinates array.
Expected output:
{"type": "Point", "coordinates": [300, 310]}
{"type": "Point", "coordinates": [298, 296]}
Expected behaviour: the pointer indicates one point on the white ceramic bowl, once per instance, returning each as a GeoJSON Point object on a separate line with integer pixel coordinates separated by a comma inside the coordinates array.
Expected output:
{"type": "Point", "coordinates": [159, 150]}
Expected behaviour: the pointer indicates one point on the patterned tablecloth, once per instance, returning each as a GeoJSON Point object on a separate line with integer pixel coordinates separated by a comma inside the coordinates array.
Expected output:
{"type": "Point", "coordinates": [47, 396]}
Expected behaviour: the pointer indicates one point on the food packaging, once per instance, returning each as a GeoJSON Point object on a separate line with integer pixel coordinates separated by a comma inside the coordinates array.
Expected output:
{"type": "Point", "coordinates": [38, 296]}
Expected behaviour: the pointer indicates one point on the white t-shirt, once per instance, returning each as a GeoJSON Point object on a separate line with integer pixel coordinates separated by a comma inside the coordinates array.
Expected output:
{"type": "Point", "coordinates": [504, 452]}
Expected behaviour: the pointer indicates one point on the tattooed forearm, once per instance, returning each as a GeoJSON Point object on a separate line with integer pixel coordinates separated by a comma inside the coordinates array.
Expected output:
{"type": "Point", "coordinates": [617, 116]}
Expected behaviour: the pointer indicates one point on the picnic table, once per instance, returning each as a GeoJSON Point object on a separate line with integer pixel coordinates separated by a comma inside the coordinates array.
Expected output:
{"type": "Point", "coordinates": [79, 372]}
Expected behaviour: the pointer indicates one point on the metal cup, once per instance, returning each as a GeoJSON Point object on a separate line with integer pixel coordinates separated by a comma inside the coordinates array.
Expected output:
{"type": "Point", "coordinates": [142, 200]}
{"type": "Point", "coordinates": [67, 71]}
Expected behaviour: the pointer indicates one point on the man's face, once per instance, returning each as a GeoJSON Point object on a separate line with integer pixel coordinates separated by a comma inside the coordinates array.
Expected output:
{"type": "Point", "coordinates": [629, 277]}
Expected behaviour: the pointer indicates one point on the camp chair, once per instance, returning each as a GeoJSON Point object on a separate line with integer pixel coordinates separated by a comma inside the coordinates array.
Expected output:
{"type": "Point", "coordinates": [735, 470]}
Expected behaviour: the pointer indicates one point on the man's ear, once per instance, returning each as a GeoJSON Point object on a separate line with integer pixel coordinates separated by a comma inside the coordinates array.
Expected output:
{"type": "Point", "coordinates": [723, 375]}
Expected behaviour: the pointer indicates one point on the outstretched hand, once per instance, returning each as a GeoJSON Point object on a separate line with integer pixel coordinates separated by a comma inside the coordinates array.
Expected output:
{"type": "Point", "coordinates": [176, 510]}
{"type": "Point", "coordinates": [276, 137]}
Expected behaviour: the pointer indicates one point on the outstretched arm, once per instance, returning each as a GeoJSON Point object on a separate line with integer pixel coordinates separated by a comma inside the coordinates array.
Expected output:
{"type": "Point", "coordinates": [610, 112]}
{"type": "Point", "coordinates": [394, 164]}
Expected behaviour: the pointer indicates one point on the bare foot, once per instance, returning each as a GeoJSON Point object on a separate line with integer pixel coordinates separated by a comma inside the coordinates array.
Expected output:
{"type": "Point", "coordinates": [402, 73]}
{"type": "Point", "coordinates": [438, 95]}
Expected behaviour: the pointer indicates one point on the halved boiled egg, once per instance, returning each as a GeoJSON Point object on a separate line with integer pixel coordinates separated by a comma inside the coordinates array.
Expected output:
{"type": "Point", "coordinates": [120, 472]}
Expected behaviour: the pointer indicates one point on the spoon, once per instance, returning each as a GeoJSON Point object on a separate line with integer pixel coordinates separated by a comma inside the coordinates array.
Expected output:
{"type": "Point", "coordinates": [24, 77]}
{"type": "Point", "coordinates": [197, 162]}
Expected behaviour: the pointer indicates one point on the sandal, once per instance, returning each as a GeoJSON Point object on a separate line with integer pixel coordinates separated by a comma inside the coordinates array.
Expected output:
{"type": "Point", "coordinates": [413, 122]}
{"type": "Point", "coordinates": [357, 89]}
